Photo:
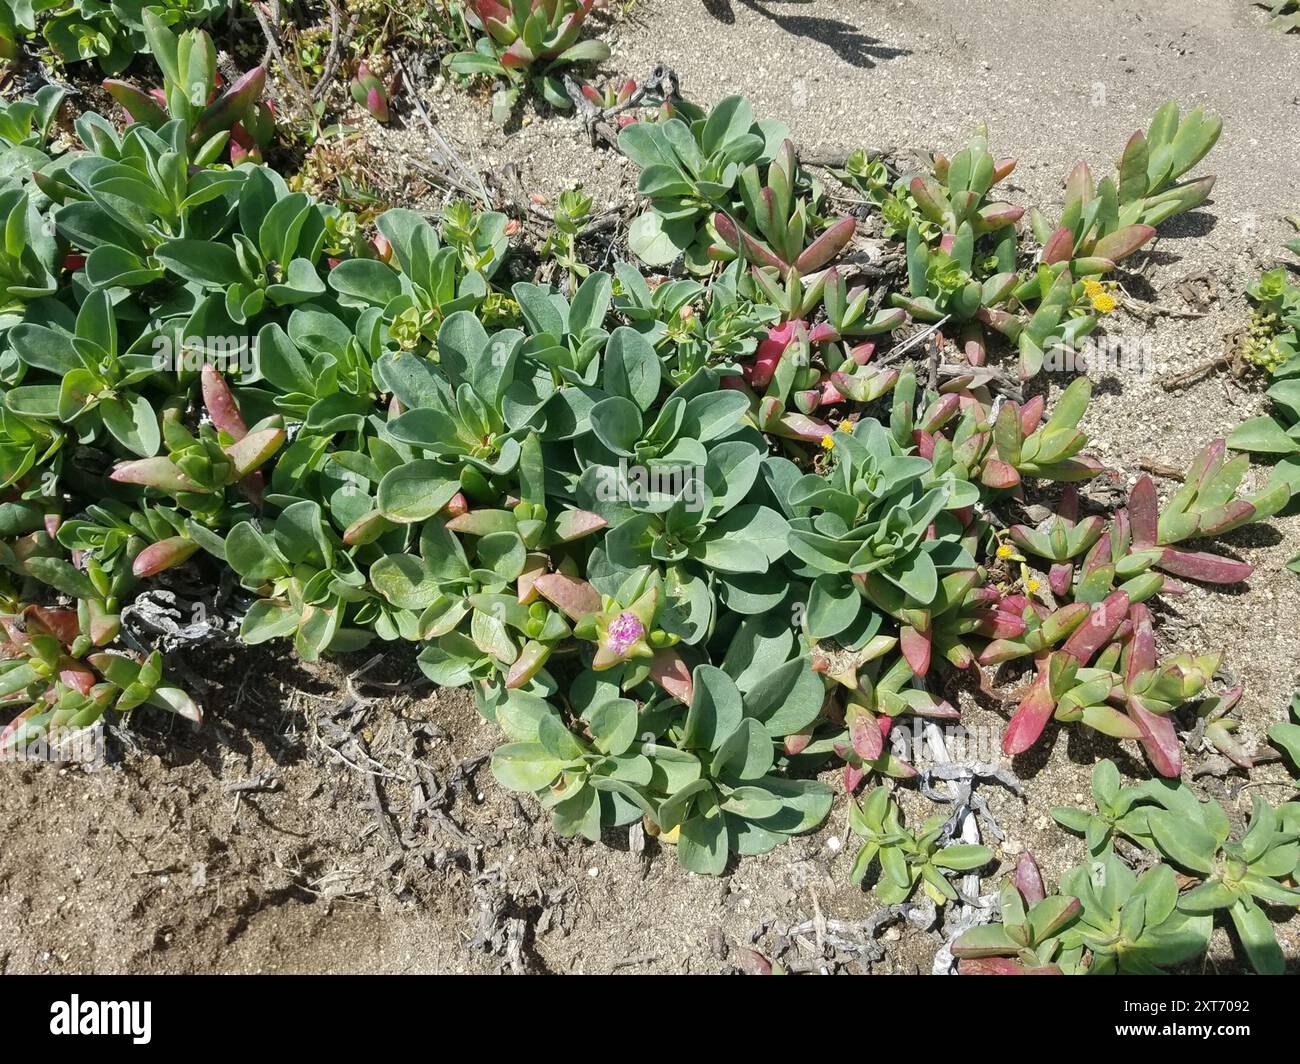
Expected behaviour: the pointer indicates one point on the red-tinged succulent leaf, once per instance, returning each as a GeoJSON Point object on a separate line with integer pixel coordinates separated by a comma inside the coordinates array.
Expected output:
{"type": "Point", "coordinates": [456, 505]}
{"type": "Point", "coordinates": [1099, 628]}
{"type": "Point", "coordinates": [1031, 413]}
{"type": "Point", "coordinates": [823, 333]}
{"type": "Point", "coordinates": [231, 107]}
{"type": "Point", "coordinates": [1000, 624]}
{"type": "Point", "coordinates": [76, 676]}
{"type": "Point", "coordinates": [158, 472]}
{"type": "Point", "coordinates": [940, 710]}
{"type": "Point", "coordinates": [574, 524]}
{"type": "Point", "coordinates": [759, 372]}
{"type": "Point", "coordinates": [1060, 577]}
{"type": "Point", "coordinates": [669, 671]}
{"type": "Point", "coordinates": [926, 194]}
{"type": "Point", "coordinates": [1028, 880]}
{"type": "Point", "coordinates": [1207, 463]}
{"type": "Point", "coordinates": [1060, 623]}
{"type": "Point", "coordinates": [526, 586]}
{"type": "Point", "coordinates": [1144, 512]}
{"type": "Point", "coordinates": [853, 777]}
{"type": "Point", "coordinates": [1078, 185]}
{"type": "Point", "coordinates": [137, 103]}
{"type": "Point", "coordinates": [1029, 719]}
{"type": "Point", "coordinates": [366, 529]}
{"type": "Point", "coordinates": [220, 403]}
{"type": "Point", "coordinates": [1122, 242]}
{"type": "Point", "coordinates": [165, 554]}
{"type": "Point", "coordinates": [491, 9]}
{"type": "Point", "coordinates": [996, 215]}
{"type": "Point", "coordinates": [1204, 568]}
{"type": "Point", "coordinates": [1229, 699]}
{"type": "Point", "coordinates": [1142, 645]}
{"type": "Point", "coordinates": [377, 103]}
{"type": "Point", "coordinates": [1070, 469]}
{"type": "Point", "coordinates": [1091, 265]}
{"type": "Point", "coordinates": [827, 246]}
{"type": "Point", "coordinates": [1003, 170]}
{"type": "Point", "coordinates": [807, 400]}
{"type": "Point", "coordinates": [1000, 650]}
{"type": "Point", "coordinates": [865, 736]}
{"type": "Point", "coordinates": [574, 597]}
{"type": "Point", "coordinates": [915, 644]}
{"type": "Point", "coordinates": [1159, 739]}
{"type": "Point", "coordinates": [998, 474]}
{"type": "Point", "coordinates": [482, 522]}
{"type": "Point", "coordinates": [1001, 321]}
{"type": "Point", "coordinates": [742, 242]}
{"type": "Point", "coordinates": [526, 666]}
{"type": "Point", "coordinates": [11, 730]}
{"type": "Point", "coordinates": [518, 56]}
{"type": "Point", "coordinates": [1226, 743]}
{"type": "Point", "coordinates": [797, 742]}
{"type": "Point", "coordinates": [828, 393]}
{"type": "Point", "coordinates": [1223, 518]}
{"type": "Point", "coordinates": [861, 354]}
{"type": "Point", "coordinates": [1110, 721]}
{"type": "Point", "coordinates": [1059, 246]}
{"type": "Point", "coordinates": [62, 624]}
{"type": "Point", "coordinates": [803, 427]}
{"type": "Point", "coordinates": [254, 450]}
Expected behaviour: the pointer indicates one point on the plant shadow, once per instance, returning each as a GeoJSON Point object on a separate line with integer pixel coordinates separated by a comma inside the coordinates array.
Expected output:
{"type": "Point", "coordinates": [843, 38]}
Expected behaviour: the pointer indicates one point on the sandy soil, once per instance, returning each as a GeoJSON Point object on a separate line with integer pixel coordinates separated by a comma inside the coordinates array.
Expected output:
{"type": "Point", "coordinates": [355, 862]}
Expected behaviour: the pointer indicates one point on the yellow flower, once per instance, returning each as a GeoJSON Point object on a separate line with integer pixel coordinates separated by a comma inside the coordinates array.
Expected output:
{"type": "Point", "coordinates": [1103, 302]}
{"type": "Point", "coordinates": [1092, 288]}
{"type": "Point", "coordinates": [827, 443]}
{"type": "Point", "coordinates": [1032, 585]}
{"type": "Point", "coordinates": [1005, 550]}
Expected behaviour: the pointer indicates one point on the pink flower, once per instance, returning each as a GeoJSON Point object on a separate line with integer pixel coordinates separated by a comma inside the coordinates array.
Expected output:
{"type": "Point", "coordinates": [623, 631]}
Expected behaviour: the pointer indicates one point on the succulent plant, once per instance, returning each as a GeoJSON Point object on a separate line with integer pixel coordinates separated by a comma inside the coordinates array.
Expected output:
{"type": "Point", "coordinates": [1287, 735]}
{"type": "Point", "coordinates": [690, 170]}
{"type": "Point", "coordinates": [1167, 818]}
{"type": "Point", "coordinates": [685, 540]}
{"type": "Point", "coordinates": [51, 658]}
{"type": "Point", "coordinates": [1027, 939]}
{"type": "Point", "coordinates": [112, 34]}
{"type": "Point", "coordinates": [369, 91]}
{"type": "Point", "coordinates": [1284, 15]}
{"type": "Point", "coordinates": [189, 93]}
{"type": "Point", "coordinates": [908, 860]}
{"type": "Point", "coordinates": [527, 40]}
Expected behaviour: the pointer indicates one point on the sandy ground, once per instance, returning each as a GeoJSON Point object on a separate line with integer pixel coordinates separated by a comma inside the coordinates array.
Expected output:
{"type": "Point", "coordinates": [153, 864]}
